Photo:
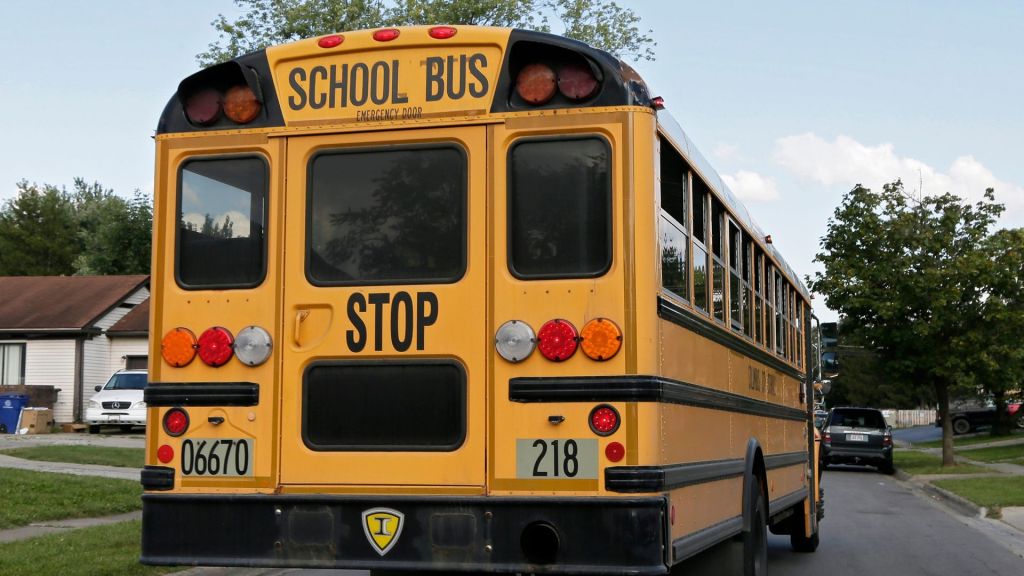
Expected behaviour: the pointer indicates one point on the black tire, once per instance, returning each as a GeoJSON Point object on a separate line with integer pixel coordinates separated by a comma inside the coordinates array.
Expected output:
{"type": "Point", "coordinates": [961, 426]}
{"type": "Point", "coordinates": [126, 428]}
{"type": "Point", "coordinates": [94, 428]}
{"type": "Point", "coordinates": [800, 542]}
{"type": "Point", "coordinates": [887, 467]}
{"type": "Point", "coordinates": [1019, 421]}
{"type": "Point", "coordinates": [755, 540]}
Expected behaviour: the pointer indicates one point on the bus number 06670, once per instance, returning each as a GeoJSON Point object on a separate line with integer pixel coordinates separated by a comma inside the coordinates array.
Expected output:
{"type": "Point", "coordinates": [216, 457]}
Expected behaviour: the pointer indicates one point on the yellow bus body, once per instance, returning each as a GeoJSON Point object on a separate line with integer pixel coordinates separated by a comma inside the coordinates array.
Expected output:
{"type": "Point", "coordinates": [706, 412]}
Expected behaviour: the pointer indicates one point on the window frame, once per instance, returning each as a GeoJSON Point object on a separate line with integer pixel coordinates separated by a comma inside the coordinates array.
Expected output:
{"type": "Point", "coordinates": [21, 367]}
{"type": "Point", "coordinates": [265, 265]}
{"type": "Point", "coordinates": [682, 226]}
{"type": "Point", "coordinates": [609, 215]}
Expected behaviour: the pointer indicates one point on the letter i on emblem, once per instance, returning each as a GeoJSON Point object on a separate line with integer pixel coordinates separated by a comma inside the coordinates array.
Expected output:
{"type": "Point", "coordinates": [383, 527]}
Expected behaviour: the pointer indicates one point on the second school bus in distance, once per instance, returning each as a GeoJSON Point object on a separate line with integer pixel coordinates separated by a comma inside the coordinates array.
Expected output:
{"type": "Point", "coordinates": [462, 299]}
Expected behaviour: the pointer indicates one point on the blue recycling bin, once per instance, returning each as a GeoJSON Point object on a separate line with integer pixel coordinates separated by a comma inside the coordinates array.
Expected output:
{"type": "Point", "coordinates": [10, 411]}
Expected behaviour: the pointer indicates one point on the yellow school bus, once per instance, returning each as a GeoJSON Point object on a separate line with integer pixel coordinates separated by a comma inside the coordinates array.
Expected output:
{"type": "Point", "coordinates": [462, 299]}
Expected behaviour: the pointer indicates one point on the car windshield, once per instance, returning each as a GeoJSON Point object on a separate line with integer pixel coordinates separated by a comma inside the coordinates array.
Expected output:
{"type": "Point", "coordinates": [858, 419]}
{"type": "Point", "coordinates": [126, 382]}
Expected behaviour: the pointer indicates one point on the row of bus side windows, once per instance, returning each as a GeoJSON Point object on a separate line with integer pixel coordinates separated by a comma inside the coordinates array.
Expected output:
{"type": "Point", "coordinates": [694, 230]}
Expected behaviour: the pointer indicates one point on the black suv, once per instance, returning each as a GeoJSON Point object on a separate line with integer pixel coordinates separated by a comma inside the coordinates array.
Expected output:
{"type": "Point", "coordinates": [857, 436]}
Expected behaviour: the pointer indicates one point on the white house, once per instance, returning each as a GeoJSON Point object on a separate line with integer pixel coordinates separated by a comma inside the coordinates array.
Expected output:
{"type": "Point", "coordinates": [56, 331]}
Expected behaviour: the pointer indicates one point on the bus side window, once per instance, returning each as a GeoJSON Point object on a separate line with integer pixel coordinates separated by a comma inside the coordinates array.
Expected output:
{"type": "Point", "coordinates": [736, 289]}
{"type": "Point", "coordinates": [559, 209]}
{"type": "Point", "coordinates": [673, 224]}
{"type": "Point", "coordinates": [769, 299]}
{"type": "Point", "coordinates": [221, 242]}
{"type": "Point", "coordinates": [759, 296]}
{"type": "Point", "coordinates": [717, 257]}
{"type": "Point", "coordinates": [701, 284]}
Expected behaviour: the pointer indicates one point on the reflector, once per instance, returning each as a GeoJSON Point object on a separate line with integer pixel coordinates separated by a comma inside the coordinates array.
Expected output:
{"type": "Point", "coordinates": [165, 454]}
{"type": "Point", "coordinates": [614, 451]}
{"type": "Point", "coordinates": [536, 83]}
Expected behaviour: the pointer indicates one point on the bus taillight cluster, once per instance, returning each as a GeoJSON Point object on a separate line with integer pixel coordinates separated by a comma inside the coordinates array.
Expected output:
{"type": "Point", "coordinates": [238, 103]}
{"type": "Point", "coordinates": [536, 83]}
{"type": "Point", "coordinates": [558, 340]}
{"type": "Point", "coordinates": [216, 346]}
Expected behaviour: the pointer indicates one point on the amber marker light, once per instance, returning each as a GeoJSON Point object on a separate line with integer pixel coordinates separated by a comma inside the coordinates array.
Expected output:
{"type": "Point", "coordinates": [536, 83]}
{"type": "Point", "coordinates": [241, 105]}
{"type": "Point", "coordinates": [178, 347]}
{"type": "Point", "coordinates": [601, 339]}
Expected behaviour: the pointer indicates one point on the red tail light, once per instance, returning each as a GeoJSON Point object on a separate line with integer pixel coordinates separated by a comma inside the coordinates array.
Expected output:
{"type": "Point", "coordinates": [557, 340]}
{"type": "Point", "coordinates": [604, 420]}
{"type": "Point", "coordinates": [886, 440]}
{"type": "Point", "coordinates": [215, 346]}
{"type": "Point", "coordinates": [175, 422]}
{"type": "Point", "coordinates": [827, 437]}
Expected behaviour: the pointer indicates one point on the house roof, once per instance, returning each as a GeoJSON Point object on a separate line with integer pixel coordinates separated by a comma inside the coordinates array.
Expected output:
{"type": "Point", "coordinates": [49, 304]}
{"type": "Point", "coordinates": [134, 323]}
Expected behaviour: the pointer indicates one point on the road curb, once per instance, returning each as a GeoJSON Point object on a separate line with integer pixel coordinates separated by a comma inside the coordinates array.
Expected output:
{"type": "Point", "coordinates": [954, 501]}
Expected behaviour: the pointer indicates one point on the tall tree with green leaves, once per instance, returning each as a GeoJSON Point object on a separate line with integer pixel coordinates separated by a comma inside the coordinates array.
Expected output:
{"type": "Point", "coordinates": [47, 231]}
{"type": "Point", "coordinates": [263, 23]}
{"type": "Point", "coordinates": [38, 232]}
{"type": "Point", "coordinates": [909, 278]}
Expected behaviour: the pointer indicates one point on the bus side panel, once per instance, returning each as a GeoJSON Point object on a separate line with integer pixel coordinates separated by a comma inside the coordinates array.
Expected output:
{"type": "Point", "coordinates": [198, 310]}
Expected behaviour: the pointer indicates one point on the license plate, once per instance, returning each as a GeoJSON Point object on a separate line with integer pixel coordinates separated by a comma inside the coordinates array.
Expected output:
{"type": "Point", "coordinates": [216, 457]}
{"type": "Point", "coordinates": [856, 438]}
{"type": "Point", "coordinates": [556, 458]}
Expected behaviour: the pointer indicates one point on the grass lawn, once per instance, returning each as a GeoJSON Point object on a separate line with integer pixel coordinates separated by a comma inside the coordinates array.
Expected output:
{"type": "Point", "coordinates": [913, 462]}
{"type": "Point", "coordinates": [982, 438]}
{"type": "Point", "coordinates": [106, 456]}
{"type": "Point", "coordinates": [111, 550]}
{"type": "Point", "coordinates": [995, 453]}
{"type": "Point", "coordinates": [33, 496]}
{"type": "Point", "coordinates": [990, 492]}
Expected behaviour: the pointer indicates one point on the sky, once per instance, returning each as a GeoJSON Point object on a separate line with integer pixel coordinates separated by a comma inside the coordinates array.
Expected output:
{"type": "Point", "coordinates": [793, 102]}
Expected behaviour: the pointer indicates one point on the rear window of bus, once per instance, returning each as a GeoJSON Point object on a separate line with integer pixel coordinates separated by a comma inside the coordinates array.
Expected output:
{"type": "Point", "coordinates": [222, 205]}
{"type": "Point", "coordinates": [560, 198]}
{"type": "Point", "coordinates": [387, 216]}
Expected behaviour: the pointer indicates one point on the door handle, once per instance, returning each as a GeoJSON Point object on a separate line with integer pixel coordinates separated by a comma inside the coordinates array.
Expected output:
{"type": "Point", "coordinates": [300, 316]}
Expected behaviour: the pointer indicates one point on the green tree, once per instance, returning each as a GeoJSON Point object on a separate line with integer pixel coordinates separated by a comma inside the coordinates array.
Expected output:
{"type": "Point", "coordinates": [48, 231]}
{"type": "Point", "coordinates": [37, 232]}
{"type": "Point", "coordinates": [908, 276]}
{"type": "Point", "coordinates": [263, 23]}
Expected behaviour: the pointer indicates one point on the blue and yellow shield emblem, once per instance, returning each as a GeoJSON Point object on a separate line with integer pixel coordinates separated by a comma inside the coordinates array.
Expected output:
{"type": "Point", "coordinates": [382, 527]}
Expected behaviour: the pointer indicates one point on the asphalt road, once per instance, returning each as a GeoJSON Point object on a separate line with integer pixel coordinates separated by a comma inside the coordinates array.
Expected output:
{"type": "Point", "coordinates": [874, 526]}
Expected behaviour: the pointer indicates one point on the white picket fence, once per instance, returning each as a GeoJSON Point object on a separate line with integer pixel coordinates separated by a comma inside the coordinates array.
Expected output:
{"type": "Point", "coordinates": [909, 418]}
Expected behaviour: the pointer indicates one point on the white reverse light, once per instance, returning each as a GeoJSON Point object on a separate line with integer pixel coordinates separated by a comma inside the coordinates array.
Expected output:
{"type": "Point", "coordinates": [515, 341]}
{"type": "Point", "coordinates": [253, 345]}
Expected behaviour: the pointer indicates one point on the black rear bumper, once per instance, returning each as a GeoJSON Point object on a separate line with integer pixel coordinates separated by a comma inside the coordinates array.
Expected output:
{"type": "Point", "coordinates": [438, 533]}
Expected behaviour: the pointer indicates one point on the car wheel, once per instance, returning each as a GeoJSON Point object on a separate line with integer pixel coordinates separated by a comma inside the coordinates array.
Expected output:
{"type": "Point", "coordinates": [1019, 421]}
{"type": "Point", "coordinates": [887, 467]}
{"type": "Point", "coordinates": [94, 428]}
{"type": "Point", "coordinates": [755, 540]}
{"type": "Point", "coordinates": [961, 426]}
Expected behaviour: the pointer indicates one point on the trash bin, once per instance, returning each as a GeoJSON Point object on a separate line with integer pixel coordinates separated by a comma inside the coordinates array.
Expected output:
{"type": "Point", "coordinates": [10, 411]}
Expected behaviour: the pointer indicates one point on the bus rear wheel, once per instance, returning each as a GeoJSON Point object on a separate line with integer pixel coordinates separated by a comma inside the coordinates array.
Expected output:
{"type": "Point", "coordinates": [755, 540]}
